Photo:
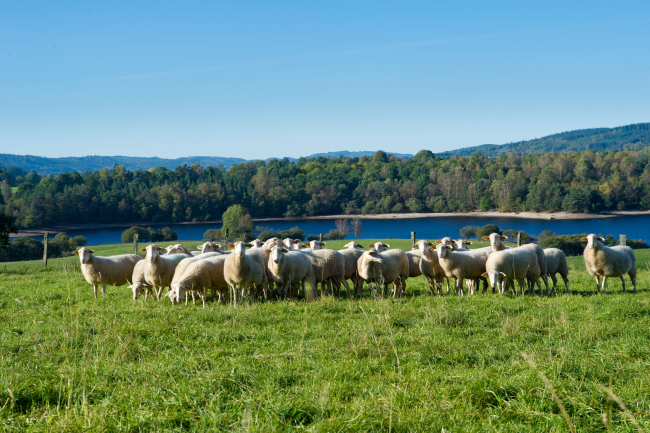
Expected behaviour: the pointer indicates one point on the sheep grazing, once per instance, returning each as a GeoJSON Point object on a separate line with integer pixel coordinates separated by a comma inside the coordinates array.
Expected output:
{"type": "Point", "coordinates": [351, 253]}
{"type": "Point", "coordinates": [159, 269]}
{"type": "Point", "coordinates": [185, 263]}
{"type": "Point", "coordinates": [138, 282]}
{"type": "Point", "coordinates": [512, 265]}
{"type": "Point", "coordinates": [114, 271]}
{"type": "Point", "coordinates": [244, 270]}
{"type": "Point", "coordinates": [603, 261]}
{"type": "Point", "coordinates": [291, 267]}
{"type": "Point", "coordinates": [462, 265]}
{"type": "Point", "coordinates": [384, 268]}
{"type": "Point", "coordinates": [199, 275]}
{"type": "Point", "coordinates": [180, 249]}
{"type": "Point", "coordinates": [430, 267]}
{"type": "Point", "coordinates": [329, 268]}
{"type": "Point", "coordinates": [379, 246]}
{"type": "Point", "coordinates": [556, 264]}
{"type": "Point", "coordinates": [210, 247]}
{"type": "Point", "coordinates": [495, 241]}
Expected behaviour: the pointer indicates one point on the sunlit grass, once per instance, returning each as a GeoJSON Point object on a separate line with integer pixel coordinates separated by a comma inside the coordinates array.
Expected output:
{"type": "Point", "coordinates": [70, 362]}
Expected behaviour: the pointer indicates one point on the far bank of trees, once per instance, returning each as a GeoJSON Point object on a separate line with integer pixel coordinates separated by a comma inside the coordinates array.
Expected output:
{"type": "Point", "coordinates": [580, 182]}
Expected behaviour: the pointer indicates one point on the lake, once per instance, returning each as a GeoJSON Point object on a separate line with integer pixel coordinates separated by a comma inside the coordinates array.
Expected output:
{"type": "Point", "coordinates": [635, 227]}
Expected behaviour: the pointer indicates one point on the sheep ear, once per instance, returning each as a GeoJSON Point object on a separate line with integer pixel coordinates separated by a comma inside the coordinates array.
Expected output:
{"type": "Point", "coordinates": [486, 238]}
{"type": "Point", "coordinates": [602, 239]}
{"type": "Point", "coordinates": [296, 241]}
{"type": "Point", "coordinates": [387, 246]}
{"type": "Point", "coordinates": [371, 245]}
{"type": "Point", "coordinates": [231, 245]}
{"type": "Point", "coordinates": [91, 251]}
{"type": "Point", "coordinates": [429, 243]}
{"type": "Point", "coordinates": [144, 250]}
{"type": "Point", "coordinates": [449, 247]}
{"type": "Point", "coordinates": [267, 251]}
{"type": "Point", "coordinates": [503, 237]}
{"type": "Point", "coordinates": [159, 249]}
{"type": "Point", "coordinates": [322, 243]}
{"type": "Point", "coordinates": [432, 247]}
{"type": "Point", "coordinates": [414, 247]}
{"type": "Point", "coordinates": [584, 239]}
{"type": "Point", "coordinates": [438, 242]}
{"type": "Point", "coordinates": [484, 274]}
{"type": "Point", "coordinates": [469, 242]}
{"type": "Point", "coordinates": [285, 250]}
{"type": "Point", "coordinates": [502, 274]}
{"type": "Point", "coordinates": [75, 252]}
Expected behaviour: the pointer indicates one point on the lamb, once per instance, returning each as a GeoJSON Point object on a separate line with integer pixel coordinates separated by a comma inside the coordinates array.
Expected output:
{"type": "Point", "coordinates": [159, 269]}
{"type": "Point", "coordinates": [351, 253]}
{"type": "Point", "coordinates": [429, 266]}
{"type": "Point", "coordinates": [291, 267]}
{"type": "Point", "coordinates": [512, 265]}
{"type": "Point", "coordinates": [244, 270]}
{"type": "Point", "coordinates": [462, 265]}
{"type": "Point", "coordinates": [556, 263]}
{"type": "Point", "coordinates": [114, 270]}
{"type": "Point", "coordinates": [206, 273]}
{"type": "Point", "coordinates": [138, 282]}
{"type": "Point", "coordinates": [329, 266]}
{"type": "Point", "coordinates": [603, 261]}
{"type": "Point", "coordinates": [384, 268]}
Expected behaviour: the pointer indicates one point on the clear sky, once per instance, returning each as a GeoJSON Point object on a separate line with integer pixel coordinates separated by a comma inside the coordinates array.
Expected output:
{"type": "Point", "coordinates": [259, 79]}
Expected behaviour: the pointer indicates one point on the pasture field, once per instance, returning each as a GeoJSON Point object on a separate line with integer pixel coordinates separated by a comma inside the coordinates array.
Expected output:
{"type": "Point", "coordinates": [69, 362]}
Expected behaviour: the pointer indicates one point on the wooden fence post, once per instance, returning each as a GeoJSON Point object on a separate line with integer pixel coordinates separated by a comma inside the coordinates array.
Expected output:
{"type": "Point", "coordinates": [320, 238]}
{"type": "Point", "coordinates": [225, 241]}
{"type": "Point", "coordinates": [518, 239]}
{"type": "Point", "coordinates": [46, 239]}
{"type": "Point", "coordinates": [622, 239]}
{"type": "Point", "coordinates": [135, 243]}
{"type": "Point", "coordinates": [412, 238]}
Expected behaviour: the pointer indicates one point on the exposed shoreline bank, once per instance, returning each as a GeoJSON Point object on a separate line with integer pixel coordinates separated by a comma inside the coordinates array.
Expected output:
{"type": "Point", "coordinates": [489, 214]}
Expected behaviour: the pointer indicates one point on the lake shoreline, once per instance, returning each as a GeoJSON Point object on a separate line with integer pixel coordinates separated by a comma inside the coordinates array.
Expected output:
{"type": "Point", "coordinates": [488, 214]}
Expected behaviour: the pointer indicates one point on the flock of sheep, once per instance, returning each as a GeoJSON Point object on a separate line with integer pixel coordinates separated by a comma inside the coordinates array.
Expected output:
{"type": "Point", "coordinates": [283, 267]}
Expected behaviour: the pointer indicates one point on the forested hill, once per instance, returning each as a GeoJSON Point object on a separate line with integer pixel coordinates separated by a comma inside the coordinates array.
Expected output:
{"type": "Point", "coordinates": [585, 181]}
{"type": "Point", "coordinates": [47, 166]}
{"type": "Point", "coordinates": [629, 137]}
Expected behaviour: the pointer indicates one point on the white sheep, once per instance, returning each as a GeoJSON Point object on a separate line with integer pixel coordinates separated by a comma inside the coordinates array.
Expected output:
{"type": "Point", "coordinates": [462, 244]}
{"type": "Point", "coordinates": [138, 282]}
{"type": "Point", "coordinates": [462, 265]}
{"type": "Point", "coordinates": [270, 243]}
{"type": "Point", "coordinates": [185, 263]}
{"type": "Point", "coordinates": [329, 268]}
{"type": "Point", "coordinates": [244, 270]}
{"type": "Point", "coordinates": [291, 267]}
{"type": "Point", "coordinates": [351, 253]}
{"type": "Point", "coordinates": [387, 267]}
{"type": "Point", "coordinates": [199, 275]}
{"type": "Point", "coordinates": [495, 241]}
{"type": "Point", "coordinates": [556, 264]}
{"type": "Point", "coordinates": [256, 243]}
{"type": "Point", "coordinates": [379, 246]}
{"type": "Point", "coordinates": [314, 245]}
{"type": "Point", "coordinates": [429, 266]}
{"type": "Point", "coordinates": [159, 268]}
{"type": "Point", "coordinates": [210, 247]}
{"type": "Point", "coordinates": [180, 249]}
{"type": "Point", "coordinates": [114, 270]}
{"type": "Point", "coordinates": [541, 261]}
{"type": "Point", "coordinates": [603, 261]}
{"type": "Point", "coordinates": [507, 266]}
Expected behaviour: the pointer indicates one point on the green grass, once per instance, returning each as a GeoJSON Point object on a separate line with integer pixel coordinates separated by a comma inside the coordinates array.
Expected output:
{"type": "Point", "coordinates": [70, 362]}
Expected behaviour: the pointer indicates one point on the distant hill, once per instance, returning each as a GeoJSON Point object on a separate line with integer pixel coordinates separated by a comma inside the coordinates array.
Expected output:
{"type": "Point", "coordinates": [629, 137]}
{"type": "Point", "coordinates": [358, 154]}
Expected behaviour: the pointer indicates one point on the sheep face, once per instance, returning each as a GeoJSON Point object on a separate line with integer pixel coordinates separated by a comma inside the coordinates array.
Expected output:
{"type": "Point", "coordinates": [84, 255]}
{"type": "Point", "coordinates": [442, 250]}
{"type": "Point", "coordinates": [177, 292]}
{"type": "Point", "coordinates": [152, 251]}
{"type": "Point", "coordinates": [374, 256]}
{"type": "Point", "coordinates": [177, 249]}
{"type": "Point", "coordinates": [494, 276]}
{"type": "Point", "coordinates": [379, 246]}
{"type": "Point", "coordinates": [462, 243]}
{"type": "Point", "coordinates": [315, 245]}
{"type": "Point", "coordinates": [255, 244]}
{"type": "Point", "coordinates": [239, 248]}
{"type": "Point", "coordinates": [277, 254]}
{"type": "Point", "coordinates": [592, 240]}
{"type": "Point", "coordinates": [210, 247]}
{"type": "Point", "coordinates": [297, 245]}
{"type": "Point", "coordinates": [494, 239]}
{"type": "Point", "coordinates": [137, 290]}
{"type": "Point", "coordinates": [423, 245]}
{"type": "Point", "coordinates": [353, 245]}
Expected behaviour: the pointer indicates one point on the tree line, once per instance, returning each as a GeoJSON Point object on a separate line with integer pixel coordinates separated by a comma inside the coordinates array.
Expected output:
{"type": "Point", "coordinates": [585, 181]}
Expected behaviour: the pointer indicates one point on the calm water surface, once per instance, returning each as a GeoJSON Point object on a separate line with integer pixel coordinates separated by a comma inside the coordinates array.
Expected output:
{"type": "Point", "coordinates": [635, 227]}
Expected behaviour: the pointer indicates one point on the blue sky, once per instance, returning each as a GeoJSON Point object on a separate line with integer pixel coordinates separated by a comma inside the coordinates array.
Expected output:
{"type": "Point", "coordinates": [262, 79]}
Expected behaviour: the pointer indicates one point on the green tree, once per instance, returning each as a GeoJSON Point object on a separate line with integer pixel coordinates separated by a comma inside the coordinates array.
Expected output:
{"type": "Point", "coordinates": [487, 230]}
{"type": "Point", "coordinates": [80, 241]}
{"type": "Point", "coordinates": [469, 232]}
{"type": "Point", "coordinates": [7, 226]}
{"type": "Point", "coordinates": [143, 234]}
{"type": "Point", "coordinates": [213, 235]}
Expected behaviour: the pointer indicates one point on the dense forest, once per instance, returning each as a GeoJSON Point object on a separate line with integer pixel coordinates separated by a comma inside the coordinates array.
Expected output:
{"type": "Point", "coordinates": [629, 137]}
{"type": "Point", "coordinates": [586, 181]}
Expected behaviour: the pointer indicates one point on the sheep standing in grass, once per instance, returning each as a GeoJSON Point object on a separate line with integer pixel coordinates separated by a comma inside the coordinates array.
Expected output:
{"type": "Point", "coordinates": [185, 263]}
{"type": "Point", "coordinates": [603, 261]}
{"type": "Point", "coordinates": [115, 270]}
{"type": "Point", "coordinates": [291, 267]}
{"type": "Point", "coordinates": [244, 270]}
{"type": "Point", "coordinates": [507, 266]}
{"type": "Point", "coordinates": [159, 269]}
{"type": "Point", "coordinates": [556, 264]}
{"type": "Point", "coordinates": [351, 253]}
{"type": "Point", "coordinates": [462, 265]}
{"type": "Point", "coordinates": [387, 267]}
{"type": "Point", "coordinates": [329, 269]}
{"type": "Point", "coordinates": [430, 267]}
{"type": "Point", "coordinates": [199, 275]}
{"type": "Point", "coordinates": [138, 282]}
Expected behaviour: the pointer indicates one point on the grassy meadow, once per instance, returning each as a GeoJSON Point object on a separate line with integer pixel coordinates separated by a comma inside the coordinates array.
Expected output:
{"type": "Point", "coordinates": [69, 362]}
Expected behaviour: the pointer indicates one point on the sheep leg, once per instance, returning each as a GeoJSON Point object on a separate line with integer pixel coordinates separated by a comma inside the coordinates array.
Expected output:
{"type": "Point", "coordinates": [459, 286]}
{"type": "Point", "coordinates": [95, 290]}
{"type": "Point", "coordinates": [545, 279]}
{"type": "Point", "coordinates": [522, 285]}
{"type": "Point", "coordinates": [604, 281]}
{"type": "Point", "coordinates": [286, 288]}
{"type": "Point", "coordinates": [346, 285]}
{"type": "Point", "coordinates": [158, 290]}
{"type": "Point", "coordinates": [103, 289]}
{"type": "Point", "coordinates": [202, 295]}
{"type": "Point", "coordinates": [554, 279]}
{"type": "Point", "coordinates": [598, 284]}
{"type": "Point", "coordinates": [622, 282]}
{"type": "Point", "coordinates": [234, 295]}
{"type": "Point", "coordinates": [632, 275]}
{"type": "Point", "coordinates": [566, 283]}
{"type": "Point", "coordinates": [447, 278]}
